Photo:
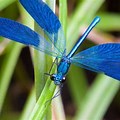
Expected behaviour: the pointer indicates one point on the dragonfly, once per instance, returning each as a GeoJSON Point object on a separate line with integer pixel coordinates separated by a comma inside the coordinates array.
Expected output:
{"type": "Point", "coordinates": [103, 58]}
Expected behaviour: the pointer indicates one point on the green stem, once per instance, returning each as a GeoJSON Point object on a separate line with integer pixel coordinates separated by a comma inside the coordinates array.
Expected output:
{"type": "Point", "coordinates": [107, 19]}
{"type": "Point", "coordinates": [5, 3]}
{"type": "Point", "coordinates": [45, 93]}
{"type": "Point", "coordinates": [7, 70]}
{"type": "Point", "coordinates": [28, 106]}
{"type": "Point", "coordinates": [63, 14]}
{"type": "Point", "coordinates": [84, 12]}
{"type": "Point", "coordinates": [98, 98]}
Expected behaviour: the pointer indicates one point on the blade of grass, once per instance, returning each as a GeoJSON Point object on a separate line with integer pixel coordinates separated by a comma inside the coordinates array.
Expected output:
{"type": "Point", "coordinates": [63, 14]}
{"type": "Point", "coordinates": [79, 17]}
{"type": "Point", "coordinates": [5, 3]}
{"type": "Point", "coordinates": [39, 70]}
{"type": "Point", "coordinates": [85, 111]}
{"type": "Point", "coordinates": [98, 98]}
{"type": "Point", "coordinates": [28, 106]}
{"type": "Point", "coordinates": [41, 108]}
{"type": "Point", "coordinates": [84, 12]}
{"type": "Point", "coordinates": [57, 108]}
{"type": "Point", "coordinates": [41, 60]}
{"type": "Point", "coordinates": [49, 115]}
{"type": "Point", "coordinates": [107, 19]}
{"type": "Point", "coordinates": [57, 105]}
{"type": "Point", "coordinates": [77, 84]}
{"type": "Point", "coordinates": [30, 103]}
{"type": "Point", "coordinates": [9, 115]}
{"type": "Point", "coordinates": [7, 70]}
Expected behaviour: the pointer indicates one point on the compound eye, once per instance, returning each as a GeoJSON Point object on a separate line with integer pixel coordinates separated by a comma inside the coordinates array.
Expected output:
{"type": "Point", "coordinates": [52, 77]}
{"type": "Point", "coordinates": [63, 79]}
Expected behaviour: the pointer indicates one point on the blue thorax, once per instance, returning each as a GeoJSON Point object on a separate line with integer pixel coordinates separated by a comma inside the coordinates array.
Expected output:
{"type": "Point", "coordinates": [62, 70]}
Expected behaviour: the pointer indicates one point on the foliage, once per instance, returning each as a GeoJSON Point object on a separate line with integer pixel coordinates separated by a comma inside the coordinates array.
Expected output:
{"type": "Point", "coordinates": [91, 101]}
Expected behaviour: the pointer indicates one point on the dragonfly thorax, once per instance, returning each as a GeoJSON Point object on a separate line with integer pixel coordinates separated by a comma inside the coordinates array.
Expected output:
{"type": "Point", "coordinates": [62, 69]}
{"type": "Point", "coordinates": [57, 78]}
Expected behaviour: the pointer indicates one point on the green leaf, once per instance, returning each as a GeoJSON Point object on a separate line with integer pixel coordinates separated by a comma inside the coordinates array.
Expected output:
{"type": "Point", "coordinates": [44, 92]}
{"type": "Point", "coordinates": [63, 14]}
{"type": "Point", "coordinates": [7, 69]}
{"type": "Point", "coordinates": [98, 98]}
{"type": "Point", "coordinates": [5, 3]}
{"type": "Point", "coordinates": [84, 12]}
{"type": "Point", "coordinates": [77, 79]}
{"type": "Point", "coordinates": [109, 22]}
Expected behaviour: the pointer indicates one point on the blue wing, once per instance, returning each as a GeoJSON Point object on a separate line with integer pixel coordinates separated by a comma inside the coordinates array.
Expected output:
{"type": "Point", "coordinates": [20, 33]}
{"type": "Point", "coordinates": [101, 58]}
{"type": "Point", "coordinates": [47, 20]}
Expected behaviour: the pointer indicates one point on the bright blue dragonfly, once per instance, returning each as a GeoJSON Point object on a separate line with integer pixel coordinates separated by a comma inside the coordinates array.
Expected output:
{"type": "Point", "coordinates": [103, 58]}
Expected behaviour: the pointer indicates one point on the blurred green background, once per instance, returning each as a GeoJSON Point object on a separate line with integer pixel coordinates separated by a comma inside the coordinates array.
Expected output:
{"type": "Point", "coordinates": [85, 95]}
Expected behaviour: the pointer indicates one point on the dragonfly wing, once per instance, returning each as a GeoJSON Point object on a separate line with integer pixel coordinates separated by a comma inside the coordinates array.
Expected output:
{"type": "Point", "coordinates": [21, 33]}
{"type": "Point", "coordinates": [47, 20]}
{"type": "Point", "coordinates": [101, 58]}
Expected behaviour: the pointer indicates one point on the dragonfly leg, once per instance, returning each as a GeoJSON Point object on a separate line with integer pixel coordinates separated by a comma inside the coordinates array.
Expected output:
{"type": "Point", "coordinates": [56, 94]}
{"type": "Point", "coordinates": [55, 62]}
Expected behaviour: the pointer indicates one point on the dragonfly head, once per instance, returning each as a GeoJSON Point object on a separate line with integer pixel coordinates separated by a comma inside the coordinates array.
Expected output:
{"type": "Point", "coordinates": [58, 79]}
